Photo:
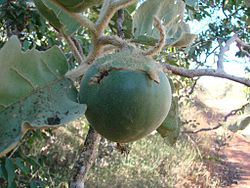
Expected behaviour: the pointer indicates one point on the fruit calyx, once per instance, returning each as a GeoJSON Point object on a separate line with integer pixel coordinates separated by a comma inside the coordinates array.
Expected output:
{"type": "Point", "coordinates": [127, 60]}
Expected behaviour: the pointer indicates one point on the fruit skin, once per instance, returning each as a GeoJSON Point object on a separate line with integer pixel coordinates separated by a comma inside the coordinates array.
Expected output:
{"type": "Point", "coordinates": [123, 103]}
{"type": "Point", "coordinates": [79, 5]}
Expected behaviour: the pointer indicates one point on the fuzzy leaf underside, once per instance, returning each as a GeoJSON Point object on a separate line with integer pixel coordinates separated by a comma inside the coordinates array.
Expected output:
{"type": "Point", "coordinates": [57, 17]}
{"type": "Point", "coordinates": [33, 92]}
{"type": "Point", "coordinates": [171, 14]}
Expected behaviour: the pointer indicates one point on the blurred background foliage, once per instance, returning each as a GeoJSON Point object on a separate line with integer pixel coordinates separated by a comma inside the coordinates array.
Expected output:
{"type": "Point", "coordinates": [45, 157]}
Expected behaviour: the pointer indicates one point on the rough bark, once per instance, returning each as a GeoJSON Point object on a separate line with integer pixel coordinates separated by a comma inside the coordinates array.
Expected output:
{"type": "Point", "coordinates": [87, 156]}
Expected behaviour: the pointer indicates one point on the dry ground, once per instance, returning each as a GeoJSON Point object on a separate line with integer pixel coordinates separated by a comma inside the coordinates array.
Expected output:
{"type": "Point", "coordinates": [231, 151]}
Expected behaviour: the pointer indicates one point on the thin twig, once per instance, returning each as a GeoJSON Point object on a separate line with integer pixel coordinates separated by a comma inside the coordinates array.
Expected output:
{"type": "Point", "coordinates": [223, 50]}
{"type": "Point", "coordinates": [73, 48]}
{"type": "Point", "coordinates": [235, 111]}
{"type": "Point", "coordinates": [78, 46]}
{"type": "Point", "coordinates": [204, 129]}
{"type": "Point", "coordinates": [204, 72]}
{"type": "Point", "coordinates": [158, 47]}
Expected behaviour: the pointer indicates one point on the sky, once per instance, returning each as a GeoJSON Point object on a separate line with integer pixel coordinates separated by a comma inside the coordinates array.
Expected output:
{"type": "Point", "coordinates": [232, 64]}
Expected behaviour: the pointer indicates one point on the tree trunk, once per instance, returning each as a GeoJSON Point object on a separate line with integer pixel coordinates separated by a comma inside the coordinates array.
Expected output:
{"type": "Point", "coordinates": [86, 159]}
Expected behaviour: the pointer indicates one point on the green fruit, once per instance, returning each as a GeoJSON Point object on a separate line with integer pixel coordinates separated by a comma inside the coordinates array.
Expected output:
{"type": "Point", "coordinates": [79, 5]}
{"type": "Point", "coordinates": [127, 96]}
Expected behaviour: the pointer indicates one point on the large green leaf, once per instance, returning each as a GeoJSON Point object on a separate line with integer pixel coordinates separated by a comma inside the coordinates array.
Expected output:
{"type": "Point", "coordinates": [57, 17]}
{"type": "Point", "coordinates": [9, 166]}
{"type": "Point", "coordinates": [171, 13]}
{"type": "Point", "coordinates": [33, 92]}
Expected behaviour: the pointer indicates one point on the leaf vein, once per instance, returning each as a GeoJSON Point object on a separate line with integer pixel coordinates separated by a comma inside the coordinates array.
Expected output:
{"type": "Point", "coordinates": [49, 69]}
{"type": "Point", "coordinates": [24, 77]}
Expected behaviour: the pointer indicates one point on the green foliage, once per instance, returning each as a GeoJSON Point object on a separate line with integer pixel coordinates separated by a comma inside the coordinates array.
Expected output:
{"type": "Point", "coordinates": [127, 96]}
{"type": "Point", "coordinates": [21, 18]}
{"type": "Point", "coordinates": [32, 89]}
{"type": "Point", "coordinates": [26, 170]}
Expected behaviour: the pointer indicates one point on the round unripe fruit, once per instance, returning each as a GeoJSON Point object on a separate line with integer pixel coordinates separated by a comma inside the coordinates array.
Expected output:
{"type": "Point", "coordinates": [127, 96]}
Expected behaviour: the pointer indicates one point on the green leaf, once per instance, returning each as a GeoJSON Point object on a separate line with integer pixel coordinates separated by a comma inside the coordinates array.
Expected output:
{"type": "Point", "coordinates": [48, 14]}
{"type": "Point", "coordinates": [1, 172]}
{"type": "Point", "coordinates": [20, 164]}
{"type": "Point", "coordinates": [36, 184]}
{"type": "Point", "coordinates": [9, 166]}
{"type": "Point", "coordinates": [171, 13]}
{"type": "Point", "coordinates": [33, 92]}
{"type": "Point", "coordinates": [170, 128]}
{"type": "Point", "coordinates": [57, 17]}
{"type": "Point", "coordinates": [4, 173]}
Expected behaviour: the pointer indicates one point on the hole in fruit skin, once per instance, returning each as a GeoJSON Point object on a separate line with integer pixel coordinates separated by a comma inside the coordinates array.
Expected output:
{"type": "Point", "coordinates": [98, 77]}
{"type": "Point", "coordinates": [102, 75]}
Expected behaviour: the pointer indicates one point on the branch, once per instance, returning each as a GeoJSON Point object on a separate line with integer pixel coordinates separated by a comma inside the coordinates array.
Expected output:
{"type": "Point", "coordinates": [204, 72]}
{"type": "Point", "coordinates": [107, 11]}
{"type": "Point", "coordinates": [113, 40]}
{"type": "Point", "coordinates": [204, 129]}
{"type": "Point", "coordinates": [235, 111]}
{"type": "Point", "coordinates": [156, 49]}
{"type": "Point", "coordinates": [78, 56]}
{"type": "Point", "coordinates": [79, 71]}
{"type": "Point", "coordinates": [109, 8]}
{"type": "Point", "coordinates": [241, 46]}
{"type": "Point", "coordinates": [223, 50]}
{"type": "Point", "coordinates": [78, 46]}
{"type": "Point", "coordinates": [119, 21]}
{"type": "Point", "coordinates": [86, 159]}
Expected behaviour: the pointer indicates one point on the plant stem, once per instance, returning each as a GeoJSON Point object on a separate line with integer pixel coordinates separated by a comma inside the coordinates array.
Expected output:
{"type": "Point", "coordinates": [78, 56]}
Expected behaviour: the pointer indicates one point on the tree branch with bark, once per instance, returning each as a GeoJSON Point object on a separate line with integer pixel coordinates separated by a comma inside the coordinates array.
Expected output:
{"type": "Point", "coordinates": [219, 72]}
